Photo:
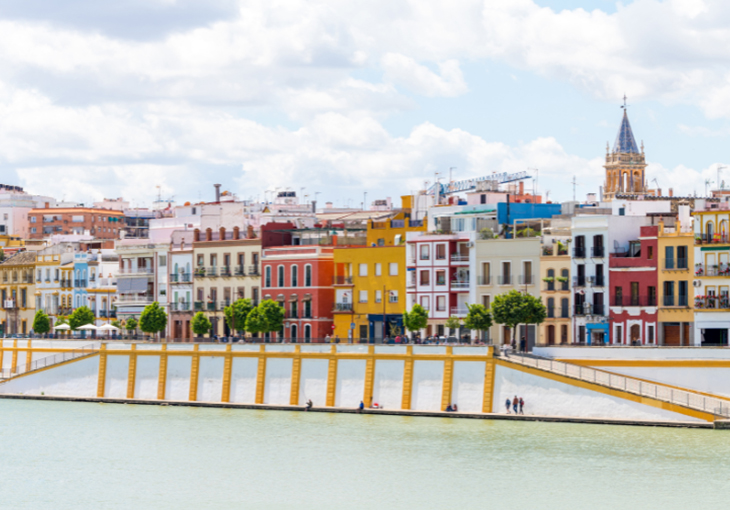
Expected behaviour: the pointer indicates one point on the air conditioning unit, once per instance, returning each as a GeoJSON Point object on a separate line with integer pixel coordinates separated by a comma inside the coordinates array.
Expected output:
{"type": "Point", "coordinates": [697, 283]}
{"type": "Point", "coordinates": [470, 244]}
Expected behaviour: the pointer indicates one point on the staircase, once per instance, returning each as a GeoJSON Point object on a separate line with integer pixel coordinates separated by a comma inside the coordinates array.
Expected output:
{"type": "Point", "coordinates": [55, 359]}
{"type": "Point", "coordinates": [696, 401]}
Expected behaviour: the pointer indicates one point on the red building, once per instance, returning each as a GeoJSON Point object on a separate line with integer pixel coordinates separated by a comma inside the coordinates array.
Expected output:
{"type": "Point", "coordinates": [634, 277]}
{"type": "Point", "coordinates": [300, 279]}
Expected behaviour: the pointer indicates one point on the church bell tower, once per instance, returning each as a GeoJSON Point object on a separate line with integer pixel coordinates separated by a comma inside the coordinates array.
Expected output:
{"type": "Point", "coordinates": [625, 164]}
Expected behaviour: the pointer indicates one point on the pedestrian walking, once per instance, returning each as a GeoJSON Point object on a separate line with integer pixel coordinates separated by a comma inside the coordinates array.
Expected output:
{"type": "Point", "coordinates": [507, 404]}
{"type": "Point", "coordinates": [522, 405]}
{"type": "Point", "coordinates": [515, 403]}
{"type": "Point", "coordinates": [523, 345]}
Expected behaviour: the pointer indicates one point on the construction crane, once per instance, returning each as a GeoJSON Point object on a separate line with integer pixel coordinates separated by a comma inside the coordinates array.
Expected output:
{"type": "Point", "coordinates": [470, 184]}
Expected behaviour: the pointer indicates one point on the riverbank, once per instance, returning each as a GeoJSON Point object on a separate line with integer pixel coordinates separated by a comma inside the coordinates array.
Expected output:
{"type": "Point", "coordinates": [391, 412]}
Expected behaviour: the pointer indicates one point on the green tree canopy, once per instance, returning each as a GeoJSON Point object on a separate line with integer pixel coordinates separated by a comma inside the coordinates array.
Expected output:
{"type": "Point", "coordinates": [117, 324]}
{"type": "Point", "coordinates": [514, 308]}
{"type": "Point", "coordinates": [131, 324]}
{"type": "Point", "coordinates": [237, 313]}
{"type": "Point", "coordinates": [416, 319]}
{"type": "Point", "coordinates": [153, 318]}
{"type": "Point", "coordinates": [80, 317]}
{"type": "Point", "coordinates": [41, 322]}
{"type": "Point", "coordinates": [200, 324]}
{"type": "Point", "coordinates": [265, 318]}
{"type": "Point", "coordinates": [478, 318]}
{"type": "Point", "coordinates": [453, 322]}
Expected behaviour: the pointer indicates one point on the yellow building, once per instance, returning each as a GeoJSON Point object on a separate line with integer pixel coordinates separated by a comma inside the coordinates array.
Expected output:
{"type": "Point", "coordinates": [674, 282]}
{"type": "Point", "coordinates": [10, 244]}
{"type": "Point", "coordinates": [555, 294]}
{"type": "Point", "coordinates": [370, 286]}
{"type": "Point", "coordinates": [16, 293]}
{"type": "Point", "coordinates": [392, 232]}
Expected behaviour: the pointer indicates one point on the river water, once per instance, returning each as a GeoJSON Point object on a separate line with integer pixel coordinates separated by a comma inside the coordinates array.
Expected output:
{"type": "Point", "coordinates": [63, 455]}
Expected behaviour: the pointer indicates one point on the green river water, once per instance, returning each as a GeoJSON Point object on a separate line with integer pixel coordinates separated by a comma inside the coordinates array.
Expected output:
{"type": "Point", "coordinates": [62, 455]}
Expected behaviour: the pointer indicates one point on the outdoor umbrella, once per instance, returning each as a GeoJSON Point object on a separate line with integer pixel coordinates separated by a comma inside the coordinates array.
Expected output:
{"type": "Point", "coordinates": [88, 326]}
{"type": "Point", "coordinates": [107, 327]}
{"type": "Point", "coordinates": [64, 327]}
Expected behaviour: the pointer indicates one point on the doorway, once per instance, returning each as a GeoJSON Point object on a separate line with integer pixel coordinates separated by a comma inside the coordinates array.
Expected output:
{"type": "Point", "coordinates": [635, 333]}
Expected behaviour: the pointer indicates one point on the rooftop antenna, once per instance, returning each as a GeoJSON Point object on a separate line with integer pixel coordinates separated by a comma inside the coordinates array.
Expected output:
{"type": "Point", "coordinates": [657, 185]}
{"type": "Point", "coordinates": [451, 169]}
{"type": "Point", "coordinates": [574, 185]}
{"type": "Point", "coordinates": [707, 183]}
{"type": "Point", "coordinates": [721, 183]}
{"type": "Point", "coordinates": [534, 180]}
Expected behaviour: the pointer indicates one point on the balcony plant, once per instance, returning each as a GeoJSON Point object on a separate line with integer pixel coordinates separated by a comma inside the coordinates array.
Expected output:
{"type": "Point", "coordinates": [549, 279]}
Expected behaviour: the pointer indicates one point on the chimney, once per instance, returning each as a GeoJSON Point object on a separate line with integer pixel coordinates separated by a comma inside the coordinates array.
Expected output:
{"type": "Point", "coordinates": [196, 235]}
{"type": "Point", "coordinates": [48, 206]}
{"type": "Point", "coordinates": [236, 233]}
{"type": "Point", "coordinates": [314, 206]}
{"type": "Point", "coordinates": [208, 234]}
{"type": "Point", "coordinates": [522, 188]}
{"type": "Point", "coordinates": [671, 192]}
{"type": "Point", "coordinates": [249, 232]}
{"type": "Point", "coordinates": [217, 192]}
{"type": "Point", "coordinates": [222, 233]}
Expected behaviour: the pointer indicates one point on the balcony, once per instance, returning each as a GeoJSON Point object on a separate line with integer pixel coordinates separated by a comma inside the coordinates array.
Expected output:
{"type": "Point", "coordinates": [712, 239]}
{"type": "Point", "coordinates": [211, 272]}
{"type": "Point", "coordinates": [180, 278]}
{"type": "Point", "coordinates": [676, 265]}
{"type": "Point", "coordinates": [199, 306]}
{"type": "Point", "coordinates": [135, 299]}
{"type": "Point", "coordinates": [504, 279]}
{"type": "Point", "coordinates": [484, 280]}
{"type": "Point", "coordinates": [225, 271]}
{"type": "Point", "coordinates": [715, 270]}
{"type": "Point", "coordinates": [65, 284]}
{"type": "Point", "coordinates": [460, 284]}
{"type": "Point", "coordinates": [579, 281]}
{"type": "Point", "coordinates": [527, 279]}
{"type": "Point", "coordinates": [459, 311]}
{"type": "Point", "coordinates": [292, 314]}
{"type": "Point", "coordinates": [342, 280]}
{"type": "Point", "coordinates": [579, 252]}
{"type": "Point", "coordinates": [239, 271]}
{"type": "Point", "coordinates": [200, 272]}
{"type": "Point", "coordinates": [460, 258]}
{"type": "Point", "coordinates": [133, 271]}
{"type": "Point", "coordinates": [411, 284]}
{"type": "Point", "coordinates": [598, 252]}
{"type": "Point", "coordinates": [210, 306]}
{"type": "Point", "coordinates": [712, 302]}
{"type": "Point", "coordinates": [587, 309]}
{"type": "Point", "coordinates": [634, 300]}
{"type": "Point", "coordinates": [342, 307]}
{"type": "Point", "coordinates": [80, 284]}
{"type": "Point", "coordinates": [180, 307]}
{"type": "Point", "coordinates": [253, 271]}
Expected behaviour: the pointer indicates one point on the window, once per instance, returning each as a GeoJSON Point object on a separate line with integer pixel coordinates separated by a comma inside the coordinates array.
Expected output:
{"type": "Point", "coordinates": [668, 293]}
{"type": "Point", "coordinates": [393, 269]}
{"type": "Point", "coordinates": [33, 230]}
{"type": "Point", "coordinates": [487, 301]}
{"type": "Point", "coordinates": [77, 219]}
{"type": "Point", "coordinates": [506, 273]}
{"type": "Point", "coordinates": [163, 260]}
{"type": "Point", "coordinates": [634, 294]}
{"type": "Point", "coordinates": [681, 257]}
{"type": "Point", "coordinates": [201, 260]}
{"type": "Point", "coordinates": [441, 277]}
{"type": "Point", "coordinates": [280, 276]}
{"type": "Point", "coordinates": [440, 303]}
{"type": "Point", "coordinates": [650, 334]}
{"type": "Point", "coordinates": [294, 276]}
{"type": "Point", "coordinates": [32, 219]}
{"type": "Point", "coordinates": [650, 252]}
{"type": "Point", "coordinates": [363, 296]}
{"type": "Point", "coordinates": [307, 275]}
{"type": "Point", "coordinates": [651, 296]}
{"type": "Point", "coordinates": [424, 252]}
{"type": "Point", "coordinates": [378, 296]}
{"type": "Point", "coordinates": [619, 335]}
{"type": "Point", "coordinates": [527, 273]}
{"type": "Point", "coordinates": [393, 296]}
{"type": "Point", "coordinates": [425, 277]}
{"type": "Point", "coordinates": [682, 287]}
{"type": "Point", "coordinates": [213, 259]}
{"type": "Point", "coordinates": [267, 276]}
{"type": "Point", "coordinates": [362, 270]}
{"type": "Point", "coordinates": [669, 257]}
{"type": "Point", "coordinates": [440, 252]}
{"type": "Point", "coordinates": [378, 269]}
{"type": "Point", "coordinates": [425, 302]}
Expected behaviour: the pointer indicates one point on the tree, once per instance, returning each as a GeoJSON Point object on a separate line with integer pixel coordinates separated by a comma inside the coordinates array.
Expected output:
{"type": "Point", "coordinates": [514, 308]}
{"type": "Point", "coordinates": [452, 323]}
{"type": "Point", "coordinates": [2, 254]}
{"type": "Point", "coordinates": [153, 319]}
{"type": "Point", "coordinates": [478, 318]}
{"type": "Point", "coordinates": [416, 319]}
{"type": "Point", "coordinates": [200, 324]}
{"type": "Point", "coordinates": [41, 323]}
{"type": "Point", "coordinates": [80, 317]}
{"type": "Point", "coordinates": [131, 325]}
{"type": "Point", "coordinates": [265, 318]}
{"type": "Point", "coordinates": [237, 313]}
{"type": "Point", "coordinates": [117, 324]}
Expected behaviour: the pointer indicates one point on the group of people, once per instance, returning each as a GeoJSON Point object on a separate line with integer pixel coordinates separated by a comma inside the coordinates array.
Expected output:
{"type": "Point", "coordinates": [517, 404]}
{"type": "Point", "coordinates": [452, 408]}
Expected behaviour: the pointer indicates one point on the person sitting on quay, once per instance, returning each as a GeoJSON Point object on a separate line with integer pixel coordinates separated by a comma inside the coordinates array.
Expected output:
{"type": "Point", "coordinates": [361, 407]}
{"type": "Point", "coordinates": [449, 409]}
{"type": "Point", "coordinates": [309, 404]}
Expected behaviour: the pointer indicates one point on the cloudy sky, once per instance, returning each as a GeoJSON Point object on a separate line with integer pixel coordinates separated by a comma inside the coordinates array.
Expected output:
{"type": "Point", "coordinates": [106, 99]}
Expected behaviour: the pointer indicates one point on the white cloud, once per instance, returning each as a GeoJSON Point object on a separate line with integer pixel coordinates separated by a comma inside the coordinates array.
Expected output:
{"type": "Point", "coordinates": [420, 79]}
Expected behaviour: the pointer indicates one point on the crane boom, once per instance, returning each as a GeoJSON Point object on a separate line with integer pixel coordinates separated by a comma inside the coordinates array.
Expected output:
{"type": "Point", "coordinates": [469, 184]}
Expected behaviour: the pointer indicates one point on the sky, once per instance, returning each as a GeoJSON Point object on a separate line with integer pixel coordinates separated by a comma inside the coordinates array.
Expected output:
{"type": "Point", "coordinates": [333, 99]}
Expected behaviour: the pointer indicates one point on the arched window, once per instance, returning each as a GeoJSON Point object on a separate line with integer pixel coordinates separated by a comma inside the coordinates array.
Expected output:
{"type": "Point", "coordinates": [710, 229]}
{"type": "Point", "coordinates": [294, 276]}
{"type": "Point", "coordinates": [564, 308]}
{"type": "Point", "coordinates": [551, 308]}
{"type": "Point", "coordinates": [308, 275]}
{"type": "Point", "coordinates": [280, 276]}
{"type": "Point", "coordinates": [267, 276]}
{"type": "Point", "coordinates": [293, 333]}
{"type": "Point", "coordinates": [564, 274]}
{"type": "Point", "coordinates": [307, 332]}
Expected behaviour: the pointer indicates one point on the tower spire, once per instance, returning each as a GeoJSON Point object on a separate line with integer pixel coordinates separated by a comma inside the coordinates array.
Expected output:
{"type": "Point", "coordinates": [625, 142]}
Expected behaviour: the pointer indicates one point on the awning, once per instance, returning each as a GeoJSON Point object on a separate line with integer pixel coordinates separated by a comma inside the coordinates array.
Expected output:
{"type": "Point", "coordinates": [293, 297]}
{"type": "Point", "coordinates": [131, 285]}
{"type": "Point", "coordinates": [307, 297]}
